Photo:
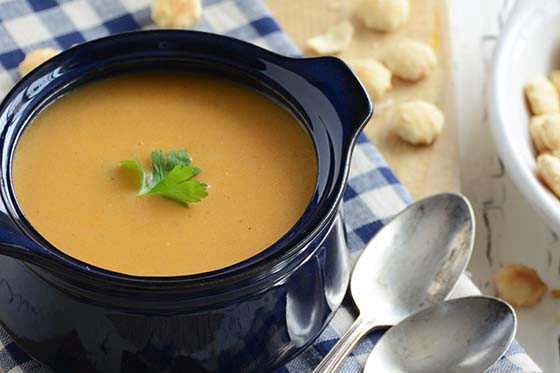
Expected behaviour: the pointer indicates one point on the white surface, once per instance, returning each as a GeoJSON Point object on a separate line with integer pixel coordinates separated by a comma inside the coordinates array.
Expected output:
{"type": "Point", "coordinates": [509, 230]}
{"type": "Point", "coordinates": [528, 46]}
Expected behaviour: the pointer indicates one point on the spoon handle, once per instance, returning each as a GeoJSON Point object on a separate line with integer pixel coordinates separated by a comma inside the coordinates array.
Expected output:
{"type": "Point", "coordinates": [345, 344]}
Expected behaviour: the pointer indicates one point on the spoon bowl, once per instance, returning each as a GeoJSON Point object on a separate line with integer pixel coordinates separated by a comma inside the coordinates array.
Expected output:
{"type": "Point", "coordinates": [413, 261]}
{"type": "Point", "coordinates": [460, 335]}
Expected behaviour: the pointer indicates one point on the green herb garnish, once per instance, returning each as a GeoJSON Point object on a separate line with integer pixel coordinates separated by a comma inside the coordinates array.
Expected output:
{"type": "Point", "coordinates": [171, 178]}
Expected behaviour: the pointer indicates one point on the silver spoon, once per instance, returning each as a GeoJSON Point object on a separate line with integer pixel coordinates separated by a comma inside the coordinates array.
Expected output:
{"type": "Point", "coordinates": [412, 262]}
{"type": "Point", "coordinates": [460, 335]}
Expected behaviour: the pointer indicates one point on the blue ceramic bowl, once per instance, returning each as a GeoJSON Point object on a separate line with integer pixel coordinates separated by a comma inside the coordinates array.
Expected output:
{"type": "Point", "coordinates": [252, 316]}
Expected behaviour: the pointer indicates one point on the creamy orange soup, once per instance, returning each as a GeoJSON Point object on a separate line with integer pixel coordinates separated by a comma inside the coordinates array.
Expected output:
{"type": "Point", "coordinates": [258, 161]}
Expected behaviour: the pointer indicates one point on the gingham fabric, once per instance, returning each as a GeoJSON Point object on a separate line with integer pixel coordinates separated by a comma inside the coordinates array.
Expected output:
{"type": "Point", "coordinates": [373, 195]}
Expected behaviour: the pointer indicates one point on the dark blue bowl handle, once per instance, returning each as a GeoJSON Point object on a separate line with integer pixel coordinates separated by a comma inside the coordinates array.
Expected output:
{"type": "Point", "coordinates": [342, 88]}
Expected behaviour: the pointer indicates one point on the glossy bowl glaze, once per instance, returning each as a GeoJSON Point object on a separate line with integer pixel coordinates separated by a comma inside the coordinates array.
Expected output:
{"type": "Point", "coordinates": [252, 316]}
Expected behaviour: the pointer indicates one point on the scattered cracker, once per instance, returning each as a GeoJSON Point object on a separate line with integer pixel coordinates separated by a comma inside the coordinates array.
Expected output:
{"type": "Point", "coordinates": [519, 285]}
{"type": "Point", "coordinates": [176, 14]}
{"type": "Point", "coordinates": [545, 132]}
{"type": "Point", "coordinates": [333, 41]}
{"type": "Point", "coordinates": [384, 15]}
{"type": "Point", "coordinates": [410, 60]}
{"type": "Point", "coordinates": [35, 58]}
{"type": "Point", "coordinates": [542, 96]}
{"type": "Point", "coordinates": [419, 123]}
{"type": "Point", "coordinates": [548, 168]}
{"type": "Point", "coordinates": [375, 77]}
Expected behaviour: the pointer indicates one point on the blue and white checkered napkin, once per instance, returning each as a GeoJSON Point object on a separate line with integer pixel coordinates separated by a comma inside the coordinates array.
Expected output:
{"type": "Point", "coordinates": [373, 195]}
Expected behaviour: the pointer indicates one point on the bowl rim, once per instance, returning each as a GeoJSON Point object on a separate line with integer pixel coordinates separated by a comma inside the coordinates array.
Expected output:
{"type": "Point", "coordinates": [253, 266]}
{"type": "Point", "coordinates": [524, 178]}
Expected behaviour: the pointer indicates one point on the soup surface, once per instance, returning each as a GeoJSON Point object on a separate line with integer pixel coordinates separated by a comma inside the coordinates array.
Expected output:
{"type": "Point", "coordinates": [259, 163]}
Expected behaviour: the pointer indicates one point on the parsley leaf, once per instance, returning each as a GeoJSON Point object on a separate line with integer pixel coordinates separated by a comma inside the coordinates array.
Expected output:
{"type": "Point", "coordinates": [171, 178]}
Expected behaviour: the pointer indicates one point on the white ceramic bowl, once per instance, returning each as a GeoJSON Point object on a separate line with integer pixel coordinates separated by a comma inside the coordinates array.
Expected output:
{"type": "Point", "coordinates": [529, 45]}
